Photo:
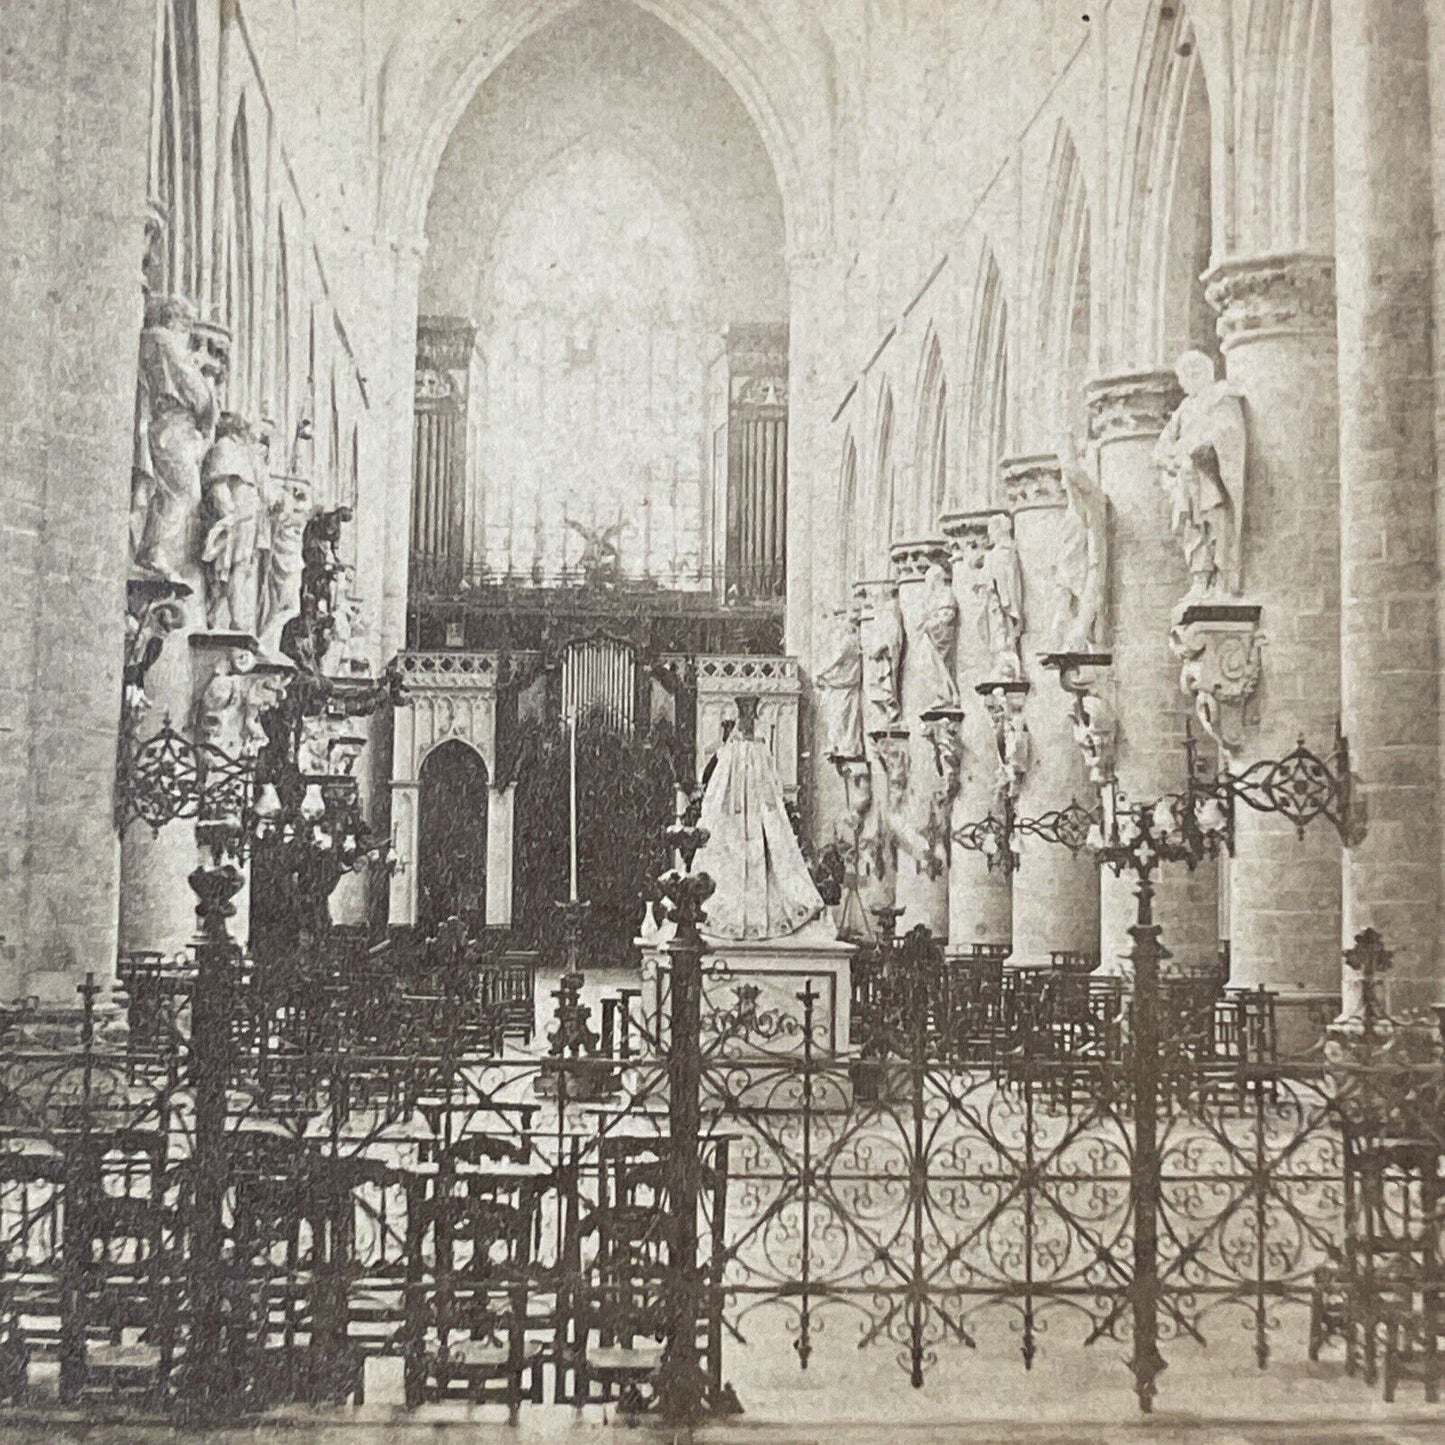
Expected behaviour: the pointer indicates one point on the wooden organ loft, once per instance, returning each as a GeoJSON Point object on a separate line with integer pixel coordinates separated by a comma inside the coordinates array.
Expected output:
{"type": "Point", "coordinates": [496, 663]}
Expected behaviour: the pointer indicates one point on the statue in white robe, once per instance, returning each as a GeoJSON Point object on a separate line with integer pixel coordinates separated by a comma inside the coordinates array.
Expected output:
{"type": "Point", "coordinates": [763, 887]}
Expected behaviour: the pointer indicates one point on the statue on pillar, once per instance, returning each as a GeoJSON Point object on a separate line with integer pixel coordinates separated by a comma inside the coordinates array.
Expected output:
{"type": "Point", "coordinates": [939, 631]}
{"type": "Point", "coordinates": [883, 660]}
{"type": "Point", "coordinates": [231, 556]}
{"type": "Point", "coordinates": [839, 683]}
{"type": "Point", "coordinates": [1200, 457]}
{"type": "Point", "coordinates": [1001, 588]}
{"type": "Point", "coordinates": [177, 414]}
{"type": "Point", "coordinates": [288, 510]}
{"type": "Point", "coordinates": [1081, 563]}
{"type": "Point", "coordinates": [220, 719]}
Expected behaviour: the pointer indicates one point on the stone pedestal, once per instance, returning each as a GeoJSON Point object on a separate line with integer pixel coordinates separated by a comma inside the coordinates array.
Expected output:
{"type": "Point", "coordinates": [1055, 892]}
{"type": "Point", "coordinates": [1276, 324]}
{"type": "Point", "coordinates": [758, 983]}
{"type": "Point", "coordinates": [1148, 577]}
{"type": "Point", "coordinates": [1390, 620]}
{"type": "Point", "coordinates": [980, 904]}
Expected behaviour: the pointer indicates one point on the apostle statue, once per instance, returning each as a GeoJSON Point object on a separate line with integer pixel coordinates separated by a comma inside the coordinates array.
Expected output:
{"type": "Point", "coordinates": [763, 887]}
{"type": "Point", "coordinates": [288, 510]}
{"type": "Point", "coordinates": [1200, 458]}
{"type": "Point", "coordinates": [231, 554]}
{"type": "Point", "coordinates": [883, 660]}
{"type": "Point", "coordinates": [178, 411]}
{"type": "Point", "coordinates": [1081, 563]}
{"type": "Point", "coordinates": [839, 684]}
{"type": "Point", "coordinates": [939, 631]}
{"type": "Point", "coordinates": [1001, 588]}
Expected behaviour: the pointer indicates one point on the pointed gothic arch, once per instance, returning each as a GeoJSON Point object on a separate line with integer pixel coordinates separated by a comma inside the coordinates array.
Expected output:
{"type": "Point", "coordinates": [848, 515]}
{"type": "Point", "coordinates": [1164, 224]}
{"type": "Point", "coordinates": [884, 482]}
{"type": "Point", "coordinates": [931, 444]}
{"type": "Point", "coordinates": [1063, 299]}
{"type": "Point", "coordinates": [1284, 194]}
{"type": "Point", "coordinates": [986, 404]}
{"type": "Point", "coordinates": [175, 172]}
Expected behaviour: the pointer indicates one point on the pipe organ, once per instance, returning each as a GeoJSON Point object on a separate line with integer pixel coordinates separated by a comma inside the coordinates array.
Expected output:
{"type": "Point", "coordinates": [600, 678]}
{"type": "Point", "coordinates": [757, 466]}
{"type": "Point", "coordinates": [445, 347]}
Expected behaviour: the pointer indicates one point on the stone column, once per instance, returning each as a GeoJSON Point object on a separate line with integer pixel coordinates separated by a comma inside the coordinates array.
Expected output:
{"type": "Point", "coordinates": [922, 828]}
{"type": "Point", "coordinates": [71, 242]}
{"type": "Point", "coordinates": [1277, 330]}
{"type": "Point", "coordinates": [1148, 577]}
{"type": "Point", "coordinates": [980, 902]}
{"type": "Point", "coordinates": [1055, 892]}
{"type": "Point", "coordinates": [881, 793]}
{"type": "Point", "coordinates": [1389, 622]}
{"type": "Point", "coordinates": [499, 855]}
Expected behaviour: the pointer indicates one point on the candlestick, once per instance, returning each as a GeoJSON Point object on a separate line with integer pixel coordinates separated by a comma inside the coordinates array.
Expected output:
{"type": "Point", "coordinates": [572, 748]}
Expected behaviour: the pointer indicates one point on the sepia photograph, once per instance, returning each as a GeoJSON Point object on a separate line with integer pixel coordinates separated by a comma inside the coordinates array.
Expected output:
{"type": "Point", "coordinates": [722, 721]}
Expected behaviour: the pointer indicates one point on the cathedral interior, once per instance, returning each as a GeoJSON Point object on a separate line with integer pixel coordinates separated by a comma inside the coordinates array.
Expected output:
{"type": "Point", "coordinates": [720, 706]}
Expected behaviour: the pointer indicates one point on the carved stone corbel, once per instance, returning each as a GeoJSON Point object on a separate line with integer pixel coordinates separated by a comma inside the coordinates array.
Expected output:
{"type": "Point", "coordinates": [1221, 653]}
{"type": "Point", "coordinates": [1092, 716]}
{"type": "Point", "coordinates": [891, 746]}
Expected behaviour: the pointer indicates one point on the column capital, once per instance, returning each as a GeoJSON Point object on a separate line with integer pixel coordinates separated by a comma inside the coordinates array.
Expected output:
{"type": "Point", "coordinates": [966, 533]}
{"type": "Point", "coordinates": [1032, 482]}
{"type": "Point", "coordinates": [911, 560]}
{"type": "Point", "coordinates": [1131, 404]}
{"type": "Point", "coordinates": [1280, 294]}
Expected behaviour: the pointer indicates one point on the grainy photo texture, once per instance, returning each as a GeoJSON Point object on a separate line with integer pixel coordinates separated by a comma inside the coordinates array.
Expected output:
{"type": "Point", "coordinates": [722, 720]}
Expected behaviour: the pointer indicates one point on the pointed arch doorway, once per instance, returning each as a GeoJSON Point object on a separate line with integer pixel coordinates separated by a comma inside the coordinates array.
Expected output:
{"type": "Point", "coordinates": [452, 836]}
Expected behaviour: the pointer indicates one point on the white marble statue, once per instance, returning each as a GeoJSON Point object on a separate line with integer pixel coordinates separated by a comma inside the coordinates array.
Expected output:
{"type": "Point", "coordinates": [939, 631]}
{"type": "Point", "coordinates": [231, 554]}
{"type": "Point", "coordinates": [1095, 734]}
{"type": "Point", "coordinates": [1001, 587]}
{"type": "Point", "coordinates": [763, 887]}
{"type": "Point", "coordinates": [883, 661]}
{"type": "Point", "coordinates": [288, 510]}
{"type": "Point", "coordinates": [177, 412]}
{"type": "Point", "coordinates": [1081, 563]}
{"type": "Point", "coordinates": [839, 685]}
{"type": "Point", "coordinates": [1200, 457]}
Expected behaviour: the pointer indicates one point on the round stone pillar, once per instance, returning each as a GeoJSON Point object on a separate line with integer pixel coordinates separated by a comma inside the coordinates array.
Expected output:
{"type": "Point", "coordinates": [1055, 892]}
{"type": "Point", "coordinates": [875, 795]}
{"type": "Point", "coordinates": [980, 901]}
{"type": "Point", "coordinates": [1277, 331]}
{"type": "Point", "coordinates": [1148, 577]}
{"type": "Point", "coordinates": [923, 821]}
{"type": "Point", "coordinates": [1388, 479]}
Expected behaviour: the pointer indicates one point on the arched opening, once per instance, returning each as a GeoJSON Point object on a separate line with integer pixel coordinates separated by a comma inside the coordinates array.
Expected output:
{"type": "Point", "coordinates": [932, 445]}
{"type": "Point", "coordinates": [622, 408]}
{"type": "Point", "coordinates": [848, 517]}
{"type": "Point", "coordinates": [1167, 232]}
{"type": "Point", "coordinates": [452, 833]}
{"type": "Point", "coordinates": [238, 299]}
{"type": "Point", "coordinates": [986, 428]}
{"type": "Point", "coordinates": [1064, 320]}
{"type": "Point", "coordinates": [174, 256]}
{"type": "Point", "coordinates": [884, 502]}
{"type": "Point", "coordinates": [1286, 164]}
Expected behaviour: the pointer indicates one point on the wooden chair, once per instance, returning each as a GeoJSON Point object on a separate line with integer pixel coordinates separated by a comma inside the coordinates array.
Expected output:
{"type": "Point", "coordinates": [470, 1333]}
{"type": "Point", "coordinates": [121, 1271]}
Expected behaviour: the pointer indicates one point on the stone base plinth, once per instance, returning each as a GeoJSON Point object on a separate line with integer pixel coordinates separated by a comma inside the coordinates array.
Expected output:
{"type": "Point", "coordinates": [752, 1015]}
